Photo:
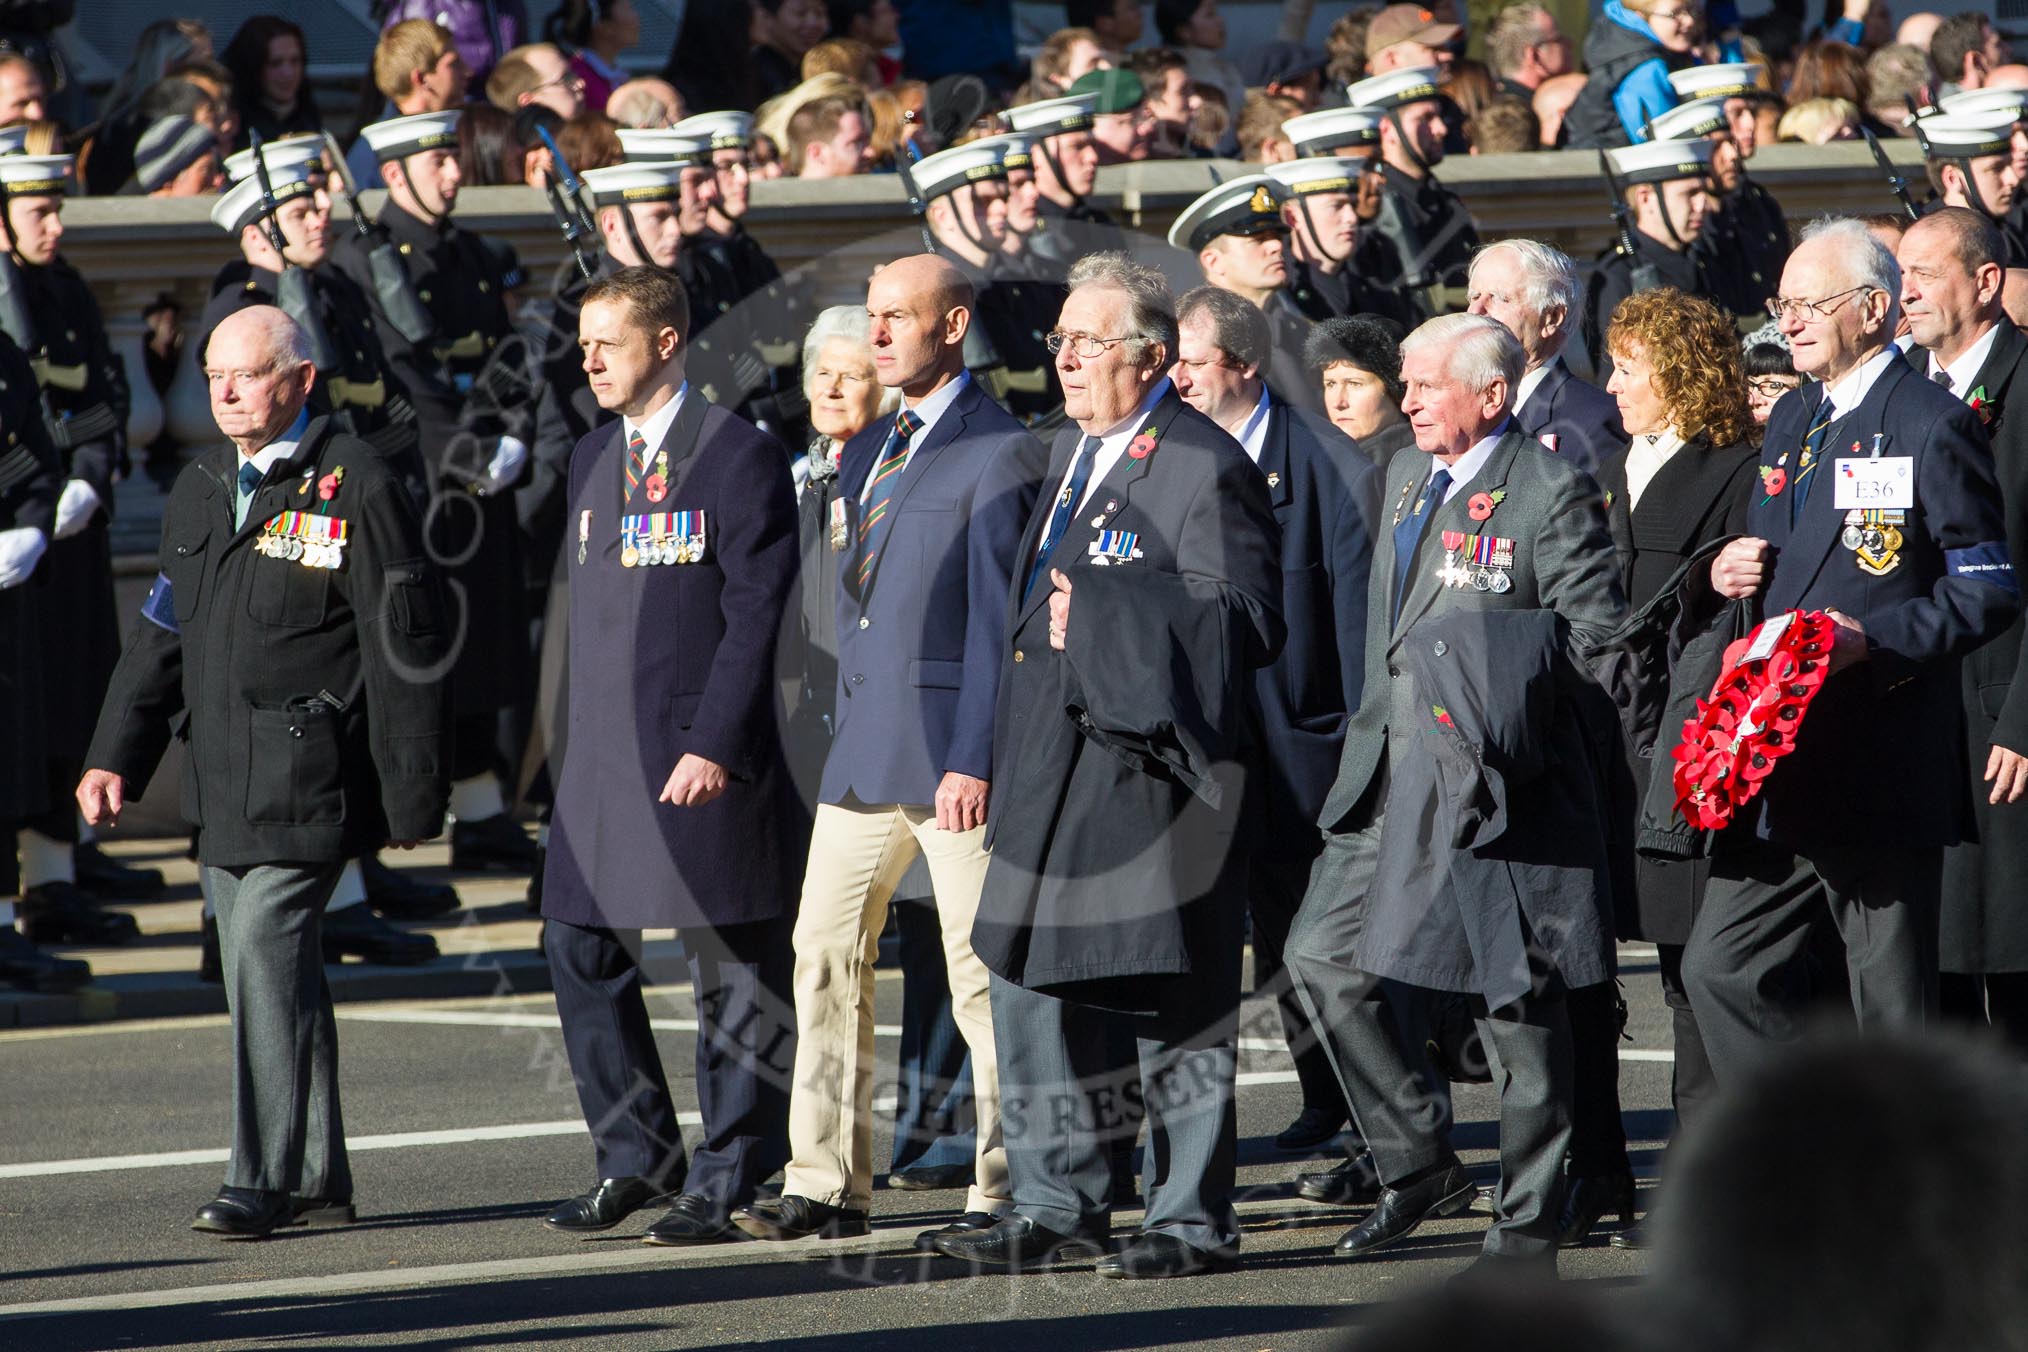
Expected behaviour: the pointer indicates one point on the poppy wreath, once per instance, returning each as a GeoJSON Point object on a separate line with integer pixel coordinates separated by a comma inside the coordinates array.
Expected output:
{"type": "Point", "coordinates": [1750, 720]}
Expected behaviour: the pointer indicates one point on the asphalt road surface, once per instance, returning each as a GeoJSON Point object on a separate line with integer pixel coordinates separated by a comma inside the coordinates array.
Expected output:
{"type": "Point", "coordinates": [465, 1131]}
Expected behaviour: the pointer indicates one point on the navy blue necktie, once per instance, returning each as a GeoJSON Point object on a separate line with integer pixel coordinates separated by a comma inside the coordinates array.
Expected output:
{"type": "Point", "coordinates": [1409, 530]}
{"type": "Point", "coordinates": [250, 476]}
{"type": "Point", "coordinates": [1806, 463]}
{"type": "Point", "coordinates": [1066, 503]}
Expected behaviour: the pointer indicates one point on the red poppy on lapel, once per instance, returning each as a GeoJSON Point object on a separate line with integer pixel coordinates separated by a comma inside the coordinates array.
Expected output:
{"type": "Point", "coordinates": [1774, 479]}
{"type": "Point", "coordinates": [1143, 445]}
{"type": "Point", "coordinates": [1480, 506]}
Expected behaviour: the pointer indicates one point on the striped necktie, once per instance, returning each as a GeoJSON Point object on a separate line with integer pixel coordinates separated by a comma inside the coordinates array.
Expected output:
{"type": "Point", "coordinates": [1806, 463]}
{"type": "Point", "coordinates": [880, 492]}
{"type": "Point", "coordinates": [637, 460]}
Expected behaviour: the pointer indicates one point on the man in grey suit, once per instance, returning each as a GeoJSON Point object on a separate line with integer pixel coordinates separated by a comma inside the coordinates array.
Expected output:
{"type": "Point", "coordinates": [1484, 519]}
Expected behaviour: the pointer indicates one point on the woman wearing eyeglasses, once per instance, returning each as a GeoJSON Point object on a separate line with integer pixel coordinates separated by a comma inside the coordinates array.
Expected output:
{"type": "Point", "coordinates": [1629, 53]}
{"type": "Point", "coordinates": [1686, 478]}
{"type": "Point", "coordinates": [1770, 374]}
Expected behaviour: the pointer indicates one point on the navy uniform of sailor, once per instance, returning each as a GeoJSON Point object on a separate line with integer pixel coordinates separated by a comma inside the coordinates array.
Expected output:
{"type": "Point", "coordinates": [1857, 816]}
{"type": "Point", "coordinates": [668, 659]}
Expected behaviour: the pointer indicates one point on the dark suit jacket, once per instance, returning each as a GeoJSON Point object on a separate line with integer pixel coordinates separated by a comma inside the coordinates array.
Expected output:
{"type": "Point", "coordinates": [1120, 761]}
{"type": "Point", "coordinates": [1880, 756]}
{"type": "Point", "coordinates": [671, 659]}
{"type": "Point", "coordinates": [1576, 419]}
{"type": "Point", "coordinates": [919, 651]}
{"type": "Point", "coordinates": [1326, 498]}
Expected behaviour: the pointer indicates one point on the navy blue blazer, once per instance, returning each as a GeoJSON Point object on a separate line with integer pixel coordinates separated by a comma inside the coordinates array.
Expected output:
{"type": "Point", "coordinates": [1326, 497]}
{"type": "Point", "coordinates": [1574, 418]}
{"type": "Point", "coordinates": [1880, 755]}
{"type": "Point", "coordinates": [919, 651]}
{"type": "Point", "coordinates": [671, 659]}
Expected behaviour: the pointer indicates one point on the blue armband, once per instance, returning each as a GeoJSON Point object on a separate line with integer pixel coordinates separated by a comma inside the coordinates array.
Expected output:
{"type": "Point", "coordinates": [160, 607]}
{"type": "Point", "coordinates": [1988, 562]}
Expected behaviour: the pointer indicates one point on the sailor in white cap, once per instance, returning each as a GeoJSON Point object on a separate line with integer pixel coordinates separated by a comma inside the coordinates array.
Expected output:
{"type": "Point", "coordinates": [475, 445]}
{"type": "Point", "coordinates": [729, 136]}
{"type": "Point", "coordinates": [1336, 131]}
{"type": "Point", "coordinates": [1321, 200]}
{"type": "Point", "coordinates": [53, 318]}
{"type": "Point", "coordinates": [1745, 239]}
{"type": "Point", "coordinates": [1666, 187]}
{"type": "Point", "coordinates": [1428, 233]}
{"type": "Point", "coordinates": [1066, 162]}
{"type": "Point", "coordinates": [1971, 161]}
{"type": "Point", "coordinates": [1240, 241]}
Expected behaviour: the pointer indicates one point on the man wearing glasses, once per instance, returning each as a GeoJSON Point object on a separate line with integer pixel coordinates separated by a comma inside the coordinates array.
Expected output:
{"type": "Point", "coordinates": [1878, 506]}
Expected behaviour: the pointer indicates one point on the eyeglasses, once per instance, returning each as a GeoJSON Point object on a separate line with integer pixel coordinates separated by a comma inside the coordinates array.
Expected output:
{"type": "Point", "coordinates": [1681, 16]}
{"type": "Point", "coordinates": [1084, 346]}
{"type": "Point", "coordinates": [570, 79]}
{"type": "Point", "coordinates": [1781, 307]}
{"type": "Point", "coordinates": [1773, 387]}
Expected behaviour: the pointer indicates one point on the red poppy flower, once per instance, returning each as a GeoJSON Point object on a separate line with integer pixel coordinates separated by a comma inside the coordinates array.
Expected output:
{"type": "Point", "coordinates": [1774, 480]}
{"type": "Point", "coordinates": [1479, 506]}
{"type": "Point", "coordinates": [1141, 445]}
{"type": "Point", "coordinates": [327, 487]}
{"type": "Point", "coordinates": [657, 489]}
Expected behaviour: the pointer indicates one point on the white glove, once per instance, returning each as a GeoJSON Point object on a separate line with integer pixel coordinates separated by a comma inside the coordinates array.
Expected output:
{"type": "Point", "coordinates": [74, 509]}
{"type": "Point", "coordinates": [20, 549]}
{"type": "Point", "coordinates": [510, 457]}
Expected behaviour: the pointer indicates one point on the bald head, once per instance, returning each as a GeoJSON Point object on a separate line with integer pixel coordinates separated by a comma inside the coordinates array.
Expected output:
{"type": "Point", "coordinates": [645, 104]}
{"type": "Point", "coordinates": [257, 367]}
{"type": "Point", "coordinates": [920, 307]}
{"type": "Point", "coordinates": [932, 275]}
{"type": "Point", "coordinates": [1917, 29]}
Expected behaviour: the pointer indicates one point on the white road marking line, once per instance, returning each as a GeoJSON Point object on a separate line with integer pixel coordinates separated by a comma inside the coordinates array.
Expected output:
{"type": "Point", "coordinates": [484, 1018]}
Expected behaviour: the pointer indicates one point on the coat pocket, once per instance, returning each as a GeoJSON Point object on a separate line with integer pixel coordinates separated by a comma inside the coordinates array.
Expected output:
{"type": "Point", "coordinates": [412, 601]}
{"type": "Point", "coordinates": [295, 766]}
{"type": "Point", "coordinates": [186, 574]}
{"type": "Point", "coordinates": [680, 711]}
{"type": "Point", "coordinates": [288, 595]}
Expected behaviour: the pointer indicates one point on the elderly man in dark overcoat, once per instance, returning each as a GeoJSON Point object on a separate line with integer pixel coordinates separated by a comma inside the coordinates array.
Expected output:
{"type": "Point", "coordinates": [1147, 589]}
{"type": "Point", "coordinates": [675, 806]}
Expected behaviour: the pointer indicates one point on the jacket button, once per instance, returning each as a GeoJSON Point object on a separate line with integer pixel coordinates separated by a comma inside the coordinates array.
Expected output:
{"type": "Point", "coordinates": [859, 680]}
{"type": "Point", "coordinates": [1393, 670]}
{"type": "Point", "coordinates": [865, 623]}
{"type": "Point", "coordinates": [295, 732]}
{"type": "Point", "coordinates": [1018, 654]}
{"type": "Point", "coordinates": [1441, 648]}
{"type": "Point", "coordinates": [183, 549]}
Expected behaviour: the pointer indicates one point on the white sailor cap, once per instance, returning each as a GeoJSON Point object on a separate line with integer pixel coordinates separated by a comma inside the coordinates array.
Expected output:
{"type": "Point", "coordinates": [240, 205]}
{"type": "Point", "coordinates": [1721, 80]}
{"type": "Point", "coordinates": [654, 144]}
{"type": "Point", "coordinates": [1688, 121]}
{"type": "Point", "coordinates": [1016, 150]}
{"type": "Point", "coordinates": [1319, 173]}
{"type": "Point", "coordinates": [1661, 161]}
{"type": "Point", "coordinates": [938, 174]}
{"type": "Point", "coordinates": [635, 181]}
{"type": "Point", "coordinates": [1964, 136]}
{"type": "Point", "coordinates": [13, 139]}
{"type": "Point", "coordinates": [1052, 117]}
{"type": "Point", "coordinates": [1333, 129]}
{"type": "Point", "coordinates": [1243, 206]}
{"type": "Point", "coordinates": [1414, 84]}
{"type": "Point", "coordinates": [305, 150]}
{"type": "Point", "coordinates": [727, 129]}
{"type": "Point", "coordinates": [1995, 100]}
{"type": "Point", "coordinates": [412, 135]}
{"type": "Point", "coordinates": [36, 175]}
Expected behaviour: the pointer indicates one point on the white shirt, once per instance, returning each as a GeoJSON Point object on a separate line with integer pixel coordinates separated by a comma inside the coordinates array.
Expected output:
{"type": "Point", "coordinates": [1253, 433]}
{"type": "Point", "coordinates": [1470, 463]}
{"type": "Point", "coordinates": [265, 459]}
{"type": "Point", "coordinates": [654, 429]}
{"type": "Point", "coordinates": [1645, 457]}
{"type": "Point", "coordinates": [1851, 391]}
{"type": "Point", "coordinates": [1113, 444]}
{"type": "Point", "coordinates": [933, 407]}
{"type": "Point", "coordinates": [1966, 368]}
{"type": "Point", "coordinates": [1531, 381]}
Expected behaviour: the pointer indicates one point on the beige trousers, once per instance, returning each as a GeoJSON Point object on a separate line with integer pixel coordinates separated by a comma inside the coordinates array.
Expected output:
{"type": "Point", "coordinates": [857, 857]}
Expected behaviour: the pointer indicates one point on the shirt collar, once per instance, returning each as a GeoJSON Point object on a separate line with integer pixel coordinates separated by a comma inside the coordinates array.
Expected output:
{"type": "Point", "coordinates": [1531, 382]}
{"type": "Point", "coordinates": [654, 429]}
{"type": "Point", "coordinates": [1471, 462]}
{"type": "Point", "coordinates": [1123, 431]}
{"type": "Point", "coordinates": [1970, 362]}
{"type": "Point", "coordinates": [1852, 389]}
{"type": "Point", "coordinates": [281, 448]}
{"type": "Point", "coordinates": [1253, 433]}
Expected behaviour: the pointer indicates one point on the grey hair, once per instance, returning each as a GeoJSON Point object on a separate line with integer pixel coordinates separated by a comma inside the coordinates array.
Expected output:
{"type": "Point", "coordinates": [283, 342]}
{"type": "Point", "coordinates": [1481, 350]}
{"type": "Point", "coordinates": [1237, 326]}
{"type": "Point", "coordinates": [1866, 261]}
{"type": "Point", "coordinates": [851, 323]}
{"type": "Point", "coordinates": [1151, 307]}
{"type": "Point", "coordinates": [1552, 277]}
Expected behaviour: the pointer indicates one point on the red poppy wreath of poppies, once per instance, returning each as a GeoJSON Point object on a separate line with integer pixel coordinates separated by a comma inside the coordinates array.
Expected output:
{"type": "Point", "coordinates": [1750, 721]}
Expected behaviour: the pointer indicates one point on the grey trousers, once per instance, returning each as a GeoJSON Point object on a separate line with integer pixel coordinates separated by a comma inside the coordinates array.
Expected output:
{"type": "Point", "coordinates": [1395, 1095]}
{"type": "Point", "coordinates": [1075, 1080]}
{"type": "Point", "coordinates": [287, 1133]}
{"type": "Point", "coordinates": [1759, 909]}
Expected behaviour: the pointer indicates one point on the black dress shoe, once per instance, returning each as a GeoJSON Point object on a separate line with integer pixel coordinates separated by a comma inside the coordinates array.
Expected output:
{"type": "Point", "coordinates": [605, 1206]}
{"type": "Point", "coordinates": [399, 895]}
{"type": "Point", "coordinates": [1018, 1244]}
{"type": "Point", "coordinates": [793, 1217]}
{"type": "Point", "coordinates": [1633, 1237]}
{"type": "Point", "coordinates": [932, 1179]}
{"type": "Point", "coordinates": [969, 1223]}
{"type": "Point", "coordinates": [1313, 1127]}
{"type": "Point", "coordinates": [1159, 1255]}
{"type": "Point", "coordinates": [1589, 1197]}
{"type": "Point", "coordinates": [1445, 1192]}
{"type": "Point", "coordinates": [244, 1213]}
{"type": "Point", "coordinates": [691, 1219]}
{"type": "Point", "coordinates": [28, 968]}
{"type": "Point", "coordinates": [495, 844]}
{"type": "Point", "coordinates": [357, 931]}
{"type": "Point", "coordinates": [210, 961]}
{"type": "Point", "coordinates": [103, 876]}
{"type": "Point", "coordinates": [1353, 1183]}
{"type": "Point", "coordinates": [318, 1212]}
{"type": "Point", "coordinates": [63, 913]}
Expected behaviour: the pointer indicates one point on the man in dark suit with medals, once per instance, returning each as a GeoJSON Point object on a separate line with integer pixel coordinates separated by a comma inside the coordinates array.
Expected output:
{"type": "Point", "coordinates": [1952, 276]}
{"type": "Point", "coordinates": [1146, 593]}
{"type": "Point", "coordinates": [675, 806]}
{"type": "Point", "coordinates": [1879, 507]}
{"type": "Point", "coordinates": [1326, 499]}
{"type": "Point", "coordinates": [1532, 289]}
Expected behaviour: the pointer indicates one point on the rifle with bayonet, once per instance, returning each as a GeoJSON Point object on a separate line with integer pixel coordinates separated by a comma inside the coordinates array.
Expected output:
{"type": "Point", "coordinates": [1642, 275]}
{"type": "Point", "coordinates": [392, 285]}
{"type": "Point", "coordinates": [903, 164]}
{"type": "Point", "coordinates": [1896, 184]}
{"type": "Point", "coordinates": [294, 294]}
{"type": "Point", "coordinates": [571, 220]}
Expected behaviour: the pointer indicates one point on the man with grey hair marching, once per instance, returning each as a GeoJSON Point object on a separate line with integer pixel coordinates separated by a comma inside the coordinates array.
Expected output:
{"type": "Point", "coordinates": [1496, 566]}
{"type": "Point", "coordinates": [1146, 592]}
{"type": "Point", "coordinates": [1532, 289]}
